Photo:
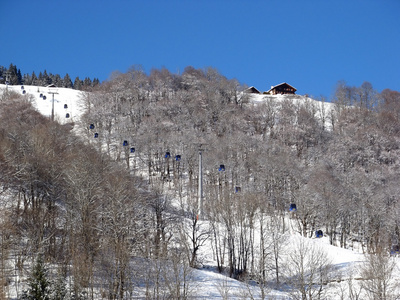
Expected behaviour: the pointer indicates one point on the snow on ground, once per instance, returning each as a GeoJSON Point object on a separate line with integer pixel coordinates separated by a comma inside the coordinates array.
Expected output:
{"type": "Point", "coordinates": [62, 97]}
{"type": "Point", "coordinates": [296, 99]}
{"type": "Point", "coordinates": [322, 109]}
{"type": "Point", "coordinates": [206, 282]}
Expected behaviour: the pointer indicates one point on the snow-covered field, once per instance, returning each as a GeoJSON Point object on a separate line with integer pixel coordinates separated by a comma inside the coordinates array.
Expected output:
{"type": "Point", "coordinates": [66, 101]}
{"type": "Point", "coordinates": [322, 109]}
{"type": "Point", "coordinates": [207, 283]}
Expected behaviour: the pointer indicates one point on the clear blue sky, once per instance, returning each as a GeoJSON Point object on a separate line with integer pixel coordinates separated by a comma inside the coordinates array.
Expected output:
{"type": "Point", "coordinates": [309, 44]}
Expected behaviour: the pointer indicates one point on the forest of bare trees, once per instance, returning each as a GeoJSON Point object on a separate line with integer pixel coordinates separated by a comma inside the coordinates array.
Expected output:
{"type": "Point", "coordinates": [110, 216]}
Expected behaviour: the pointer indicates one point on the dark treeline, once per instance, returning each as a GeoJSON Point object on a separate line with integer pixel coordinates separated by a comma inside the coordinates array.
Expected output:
{"type": "Point", "coordinates": [44, 79]}
{"type": "Point", "coordinates": [121, 210]}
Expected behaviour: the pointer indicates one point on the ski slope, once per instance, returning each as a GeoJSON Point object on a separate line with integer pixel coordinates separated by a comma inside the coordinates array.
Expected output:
{"type": "Point", "coordinates": [62, 96]}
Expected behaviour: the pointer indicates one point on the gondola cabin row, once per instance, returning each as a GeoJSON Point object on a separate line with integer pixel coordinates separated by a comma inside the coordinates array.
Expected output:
{"type": "Point", "coordinates": [168, 155]}
{"type": "Point", "coordinates": [125, 144]}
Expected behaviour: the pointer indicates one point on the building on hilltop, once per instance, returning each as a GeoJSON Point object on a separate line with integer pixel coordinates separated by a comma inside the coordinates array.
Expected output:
{"type": "Point", "coordinates": [282, 89]}
{"type": "Point", "coordinates": [252, 90]}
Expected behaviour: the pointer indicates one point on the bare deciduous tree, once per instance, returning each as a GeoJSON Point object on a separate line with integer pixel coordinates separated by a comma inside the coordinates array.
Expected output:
{"type": "Point", "coordinates": [377, 275]}
{"type": "Point", "coordinates": [307, 270]}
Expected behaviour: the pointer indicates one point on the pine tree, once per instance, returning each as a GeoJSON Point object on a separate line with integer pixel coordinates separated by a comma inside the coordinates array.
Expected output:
{"type": "Point", "coordinates": [40, 79]}
{"type": "Point", "coordinates": [27, 79]}
{"type": "Point", "coordinates": [34, 79]}
{"type": "Point", "coordinates": [39, 285]}
{"type": "Point", "coordinates": [67, 82]}
{"type": "Point", "coordinates": [96, 81]}
{"type": "Point", "coordinates": [13, 74]}
{"type": "Point", "coordinates": [19, 76]}
{"type": "Point", "coordinates": [56, 79]}
{"type": "Point", "coordinates": [87, 82]}
{"type": "Point", "coordinates": [46, 79]}
{"type": "Point", "coordinates": [3, 71]}
{"type": "Point", "coordinates": [78, 83]}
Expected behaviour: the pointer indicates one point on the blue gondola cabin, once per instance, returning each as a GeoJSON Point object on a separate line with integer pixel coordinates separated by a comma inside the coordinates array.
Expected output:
{"type": "Point", "coordinates": [221, 168]}
{"type": "Point", "coordinates": [395, 250]}
{"type": "Point", "coordinates": [319, 234]}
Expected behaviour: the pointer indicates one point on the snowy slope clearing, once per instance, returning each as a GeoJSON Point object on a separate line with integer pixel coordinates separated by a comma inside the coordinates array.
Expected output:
{"type": "Point", "coordinates": [66, 101]}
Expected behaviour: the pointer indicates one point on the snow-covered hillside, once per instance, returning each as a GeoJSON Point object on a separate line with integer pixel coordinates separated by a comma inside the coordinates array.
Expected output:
{"type": "Point", "coordinates": [260, 98]}
{"type": "Point", "coordinates": [206, 282]}
{"type": "Point", "coordinates": [66, 101]}
{"type": "Point", "coordinates": [322, 109]}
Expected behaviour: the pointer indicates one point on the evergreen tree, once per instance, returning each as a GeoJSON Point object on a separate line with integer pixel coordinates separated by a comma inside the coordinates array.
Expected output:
{"type": "Point", "coordinates": [95, 82]}
{"type": "Point", "coordinates": [38, 283]}
{"type": "Point", "coordinates": [57, 80]}
{"type": "Point", "coordinates": [46, 79]}
{"type": "Point", "coordinates": [13, 80]}
{"type": "Point", "coordinates": [19, 76]}
{"type": "Point", "coordinates": [67, 82]}
{"type": "Point", "coordinates": [40, 79]}
{"type": "Point", "coordinates": [2, 74]}
{"type": "Point", "coordinates": [87, 82]}
{"type": "Point", "coordinates": [27, 79]}
{"type": "Point", "coordinates": [34, 79]}
{"type": "Point", "coordinates": [78, 83]}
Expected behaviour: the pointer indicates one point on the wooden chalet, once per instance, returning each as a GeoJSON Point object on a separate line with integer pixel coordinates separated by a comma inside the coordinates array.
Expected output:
{"type": "Point", "coordinates": [281, 89]}
{"type": "Point", "coordinates": [252, 90]}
